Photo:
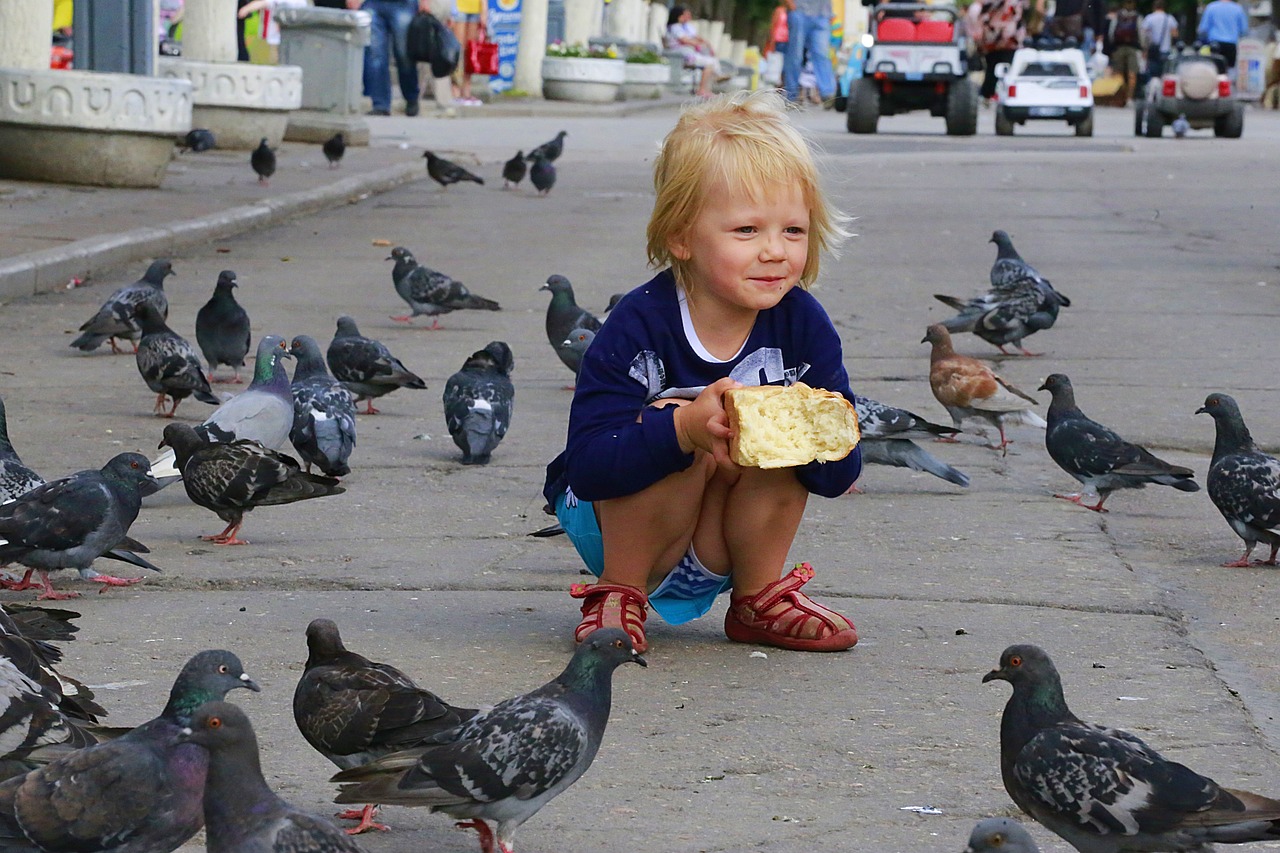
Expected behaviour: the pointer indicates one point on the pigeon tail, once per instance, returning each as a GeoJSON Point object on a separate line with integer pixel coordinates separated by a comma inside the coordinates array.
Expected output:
{"type": "Point", "coordinates": [477, 302]}
{"type": "Point", "coordinates": [908, 454]}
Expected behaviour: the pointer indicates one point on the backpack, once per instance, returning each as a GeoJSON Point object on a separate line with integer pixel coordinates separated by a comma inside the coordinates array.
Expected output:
{"type": "Point", "coordinates": [1126, 31]}
{"type": "Point", "coordinates": [429, 40]}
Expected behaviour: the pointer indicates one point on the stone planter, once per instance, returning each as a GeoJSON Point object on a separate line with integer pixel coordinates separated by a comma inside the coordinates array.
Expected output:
{"type": "Point", "coordinates": [575, 79]}
{"type": "Point", "coordinates": [82, 127]}
{"type": "Point", "coordinates": [240, 102]}
{"type": "Point", "coordinates": [644, 81]}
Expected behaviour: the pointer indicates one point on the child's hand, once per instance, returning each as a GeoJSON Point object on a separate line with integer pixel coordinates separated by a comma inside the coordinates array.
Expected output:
{"type": "Point", "coordinates": [703, 424]}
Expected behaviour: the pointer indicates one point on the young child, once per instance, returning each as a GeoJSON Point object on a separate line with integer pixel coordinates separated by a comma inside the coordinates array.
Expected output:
{"type": "Point", "coordinates": [645, 487]}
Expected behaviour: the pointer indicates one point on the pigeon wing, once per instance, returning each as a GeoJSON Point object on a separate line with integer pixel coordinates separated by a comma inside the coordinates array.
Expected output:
{"type": "Point", "coordinates": [298, 832]}
{"type": "Point", "coordinates": [56, 516]}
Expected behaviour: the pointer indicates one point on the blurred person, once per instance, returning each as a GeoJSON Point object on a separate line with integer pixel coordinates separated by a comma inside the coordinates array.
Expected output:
{"type": "Point", "coordinates": [468, 19]}
{"type": "Point", "coordinates": [1001, 31]}
{"type": "Point", "coordinates": [1159, 29]}
{"type": "Point", "coordinates": [389, 40]}
{"type": "Point", "coordinates": [270, 29]}
{"type": "Point", "coordinates": [775, 49]}
{"type": "Point", "coordinates": [1068, 21]}
{"type": "Point", "coordinates": [1222, 25]}
{"type": "Point", "coordinates": [1125, 37]}
{"type": "Point", "coordinates": [809, 31]}
{"type": "Point", "coordinates": [697, 52]}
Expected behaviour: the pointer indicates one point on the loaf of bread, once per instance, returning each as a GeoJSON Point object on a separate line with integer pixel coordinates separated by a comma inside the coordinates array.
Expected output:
{"type": "Point", "coordinates": [779, 427]}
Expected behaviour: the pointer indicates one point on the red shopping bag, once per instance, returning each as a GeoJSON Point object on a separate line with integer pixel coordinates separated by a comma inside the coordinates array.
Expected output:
{"type": "Point", "coordinates": [482, 56]}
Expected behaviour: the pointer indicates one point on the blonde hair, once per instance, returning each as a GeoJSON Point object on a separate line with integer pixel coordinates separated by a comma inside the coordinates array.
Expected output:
{"type": "Point", "coordinates": [746, 143]}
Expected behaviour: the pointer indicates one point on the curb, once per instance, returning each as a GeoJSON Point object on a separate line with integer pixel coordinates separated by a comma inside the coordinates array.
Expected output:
{"type": "Point", "coordinates": [50, 269]}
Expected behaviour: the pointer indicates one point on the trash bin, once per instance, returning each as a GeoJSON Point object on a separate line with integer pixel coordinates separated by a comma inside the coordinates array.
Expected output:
{"type": "Point", "coordinates": [328, 44]}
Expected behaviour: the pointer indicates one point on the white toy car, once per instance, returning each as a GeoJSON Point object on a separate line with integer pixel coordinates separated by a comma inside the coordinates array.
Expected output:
{"type": "Point", "coordinates": [1044, 85]}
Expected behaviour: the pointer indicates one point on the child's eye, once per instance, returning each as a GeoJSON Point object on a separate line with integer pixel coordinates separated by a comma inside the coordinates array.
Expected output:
{"type": "Point", "coordinates": [745, 229]}
{"type": "Point", "coordinates": [795, 229]}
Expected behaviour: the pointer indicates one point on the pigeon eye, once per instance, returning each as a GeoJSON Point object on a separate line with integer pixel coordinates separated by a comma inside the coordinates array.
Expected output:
{"type": "Point", "coordinates": [133, 465]}
{"type": "Point", "coordinates": [1015, 660]}
{"type": "Point", "coordinates": [222, 668]}
{"type": "Point", "coordinates": [215, 722]}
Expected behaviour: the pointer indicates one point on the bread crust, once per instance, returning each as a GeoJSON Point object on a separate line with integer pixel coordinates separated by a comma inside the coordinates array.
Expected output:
{"type": "Point", "coordinates": [754, 412]}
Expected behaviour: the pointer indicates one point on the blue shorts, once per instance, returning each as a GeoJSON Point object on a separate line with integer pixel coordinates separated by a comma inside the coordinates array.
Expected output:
{"type": "Point", "coordinates": [684, 595]}
{"type": "Point", "coordinates": [465, 17]}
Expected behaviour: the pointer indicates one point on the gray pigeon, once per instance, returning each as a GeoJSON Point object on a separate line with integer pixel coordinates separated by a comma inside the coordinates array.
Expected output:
{"type": "Point", "coordinates": [478, 402]}
{"type": "Point", "coordinates": [1102, 789]}
{"type": "Point", "coordinates": [118, 318]}
{"type": "Point", "coordinates": [550, 150]}
{"type": "Point", "coordinates": [1000, 835]}
{"type": "Point", "coordinates": [33, 731]}
{"type": "Point", "coordinates": [142, 792]}
{"type": "Point", "coordinates": [198, 140]}
{"type": "Point", "coordinates": [505, 764]}
{"type": "Point", "coordinates": [231, 479]}
{"type": "Point", "coordinates": [263, 412]}
{"type": "Point", "coordinates": [169, 365]}
{"type": "Point", "coordinates": [564, 316]}
{"type": "Point", "coordinates": [263, 161]}
{"type": "Point", "coordinates": [16, 479]}
{"type": "Point", "coordinates": [324, 413]}
{"type": "Point", "coordinates": [1244, 482]}
{"type": "Point", "coordinates": [444, 172]}
{"type": "Point", "coordinates": [222, 328]}
{"type": "Point", "coordinates": [353, 710]}
{"type": "Point", "coordinates": [1097, 456]}
{"type": "Point", "coordinates": [1180, 126]}
{"type": "Point", "coordinates": [334, 147]}
{"type": "Point", "coordinates": [887, 434]}
{"type": "Point", "coordinates": [542, 175]}
{"type": "Point", "coordinates": [242, 814]}
{"type": "Point", "coordinates": [574, 347]}
{"type": "Point", "coordinates": [429, 292]}
{"type": "Point", "coordinates": [69, 523]}
{"type": "Point", "coordinates": [513, 171]}
{"type": "Point", "coordinates": [365, 367]}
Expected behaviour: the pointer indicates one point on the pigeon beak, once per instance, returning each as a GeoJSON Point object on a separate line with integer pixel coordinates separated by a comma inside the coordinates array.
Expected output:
{"type": "Point", "coordinates": [925, 339]}
{"type": "Point", "coordinates": [1044, 386]}
{"type": "Point", "coordinates": [249, 682]}
{"type": "Point", "coordinates": [390, 257]}
{"type": "Point", "coordinates": [1202, 411]}
{"type": "Point", "coordinates": [544, 287]}
{"type": "Point", "coordinates": [636, 657]}
{"type": "Point", "coordinates": [994, 675]}
{"type": "Point", "coordinates": [162, 443]}
{"type": "Point", "coordinates": [186, 732]}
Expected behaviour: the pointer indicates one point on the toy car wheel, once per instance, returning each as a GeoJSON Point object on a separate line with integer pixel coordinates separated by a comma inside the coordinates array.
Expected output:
{"type": "Point", "coordinates": [1231, 125]}
{"type": "Point", "coordinates": [1155, 123]}
{"type": "Point", "coordinates": [1004, 127]}
{"type": "Point", "coordinates": [840, 103]}
{"type": "Point", "coordinates": [962, 108]}
{"type": "Point", "coordinates": [863, 110]}
{"type": "Point", "coordinates": [1084, 127]}
{"type": "Point", "coordinates": [1139, 119]}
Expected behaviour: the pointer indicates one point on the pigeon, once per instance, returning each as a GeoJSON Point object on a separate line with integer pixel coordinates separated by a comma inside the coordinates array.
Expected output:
{"type": "Point", "coordinates": [887, 434]}
{"type": "Point", "coordinates": [574, 347]}
{"type": "Point", "coordinates": [242, 814]}
{"type": "Point", "coordinates": [1020, 302]}
{"type": "Point", "coordinates": [967, 388]}
{"type": "Point", "coordinates": [222, 328]}
{"type": "Point", "coordinates": [1000, 835]}
{"type": "Point", "coordinates": [43, 624]}
{"type": "Point", "coordinates": [365, 367]}
{"type": "Point", "coordinates": [353, 710]}
{"type": "Point", "coordinates": [613, 302]}
{"type": "Point", "coordinates": [1180, 126]}
{"type": "Point", "coordinates": [16, 479]}
{"type": "Point", "coordinates": [141, 792]}
{"type": "Point", "coordinates": [1102, 789]}
{"type": "Point", "coordinates": [231, 479]}
{"type": "Point", "coordinates": [503, 765]}
{"type": "Point", "coordinates": [117, 318]}
{"type": "Point", "coordinates": [478, 402]}
{"type": "Point", "coordinates": [513, 171]}
{"type": "Point", "coordinates": [169, 365]}
{"type": "Point", "coordinates": [564, 316]}
{"type": "Point", "coordinates": [444, 172]}
{"type": "Point", "coordinates": [1244, 482]}
{"type": "Point", "coordinates": [35, 659]}
{"type": "Point", "coordinates": [70, 522]}
{"type": "Point", "coordinates": [33, 731]}
{"type": "Point", "coordinates": [263, 161]}
{"type": "Point", "coordinates": [198, 140]}
{"type": "Point", "coordinates": [543, 175]}
{"type": "Point", "coordinates": [334, 147]}
{"type": "Point", "coordinates": [550, 150]}
{"type": "Point", "coordinates": [263, 412]}
{"type": "Point", "coordinates": [324, 413]}
{"type": "Point", "coordinates": [1097, 456]}
{"type": "Point", "coordinates": [429, 292]}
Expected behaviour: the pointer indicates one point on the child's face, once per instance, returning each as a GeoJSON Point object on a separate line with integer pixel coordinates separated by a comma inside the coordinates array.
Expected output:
{"type": "Point", "coordinates": [746, 252]}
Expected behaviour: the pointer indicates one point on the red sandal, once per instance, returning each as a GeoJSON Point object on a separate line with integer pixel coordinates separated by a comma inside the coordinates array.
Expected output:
{"type": "Point", "coordinates": [780, 615]}
{"type": "Point", "coordinates": [612, 605]}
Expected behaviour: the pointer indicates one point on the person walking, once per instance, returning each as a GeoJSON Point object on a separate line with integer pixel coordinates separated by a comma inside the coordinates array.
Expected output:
{"type": "Point", "coordinates": [469, 18]}
{"type": "Point", "coordinates": [1222, 25]}
{"type": "Point", "coordinates": [1126, 41]}
{"type": "Point", "coordinates": [809, 31]}
{"type": "Point", "coordinates": [1001, 32]}
{"type": "Point", "coordinates": [389, 40]}
{"type": "Point", "coordinates": [1159, 29]}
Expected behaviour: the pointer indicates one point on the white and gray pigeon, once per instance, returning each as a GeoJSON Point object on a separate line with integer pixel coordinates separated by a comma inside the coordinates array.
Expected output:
{"type": "Point", "coordinates": [70, 522]}
{"type": "Point", "coordinates": [503, 765]}
{"type": "Point", "coordinates": [324, 412]}
{"type": "Point", "coordinates": [1000, 835]}
{"type": "Point", "coordinates": [1104, 790]}
{"type": "Point", "coordinates": [1097, 456]}
{"type": "Point", "coordinates": [117, 318]}
{"type": "Point", "coordinates": [36, 659]}
{"type": "Point", "coordinates": [353, 710]}
{"type": "Point", "coordinates": [241, 813]}
{"type": "Point", "coordinates": [142, 792]}
{"type": "Point", "coordinates": [222, 328]}
{"type": "Point", "coordinates": [33, 730]}
{"type": "Point", "coordinates": [263, 412]}
{"type": "Point", "coordinates": [1244, 482]}
{"type": "Point", "coordinates": [887, 439]}
{"type": "Point", "coordinates": [365, 366]}
{"type": "Point", "coordinates": [574, 347]}
{"type": "Point", "coordinates": [169, 364]}
{"type": "Point", "coordinates": [1020, 302]}
{"type": "Point", "coordinates": [429, 292]}
{"type": "Point", "coordinates": [478, 402]}
{"type": "Point", "coordinates": [16, 479]}
{"type": "Point", "coordinates": [564, 315]}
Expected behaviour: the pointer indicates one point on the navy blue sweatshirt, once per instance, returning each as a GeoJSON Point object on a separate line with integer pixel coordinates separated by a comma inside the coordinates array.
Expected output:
{"type": "Point", "coordinates": [642, 354]}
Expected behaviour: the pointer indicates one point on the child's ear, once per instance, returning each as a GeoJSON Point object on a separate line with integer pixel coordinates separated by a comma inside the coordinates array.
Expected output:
{"type": "Point", "coordinates": [678, 245]}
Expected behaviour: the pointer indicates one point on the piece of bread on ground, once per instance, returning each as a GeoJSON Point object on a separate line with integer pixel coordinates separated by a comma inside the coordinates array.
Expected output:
{"type": "Point", "coordinates": [780, 427]}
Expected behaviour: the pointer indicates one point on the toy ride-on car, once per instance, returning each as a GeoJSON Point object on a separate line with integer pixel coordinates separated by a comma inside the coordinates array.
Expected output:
{"type": "Point", "coordinates": [916, 60]}
{"type": "Point", "coordinates": [1048, 82]}
{"type": "Point", "coordinates": [1196, 88]}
